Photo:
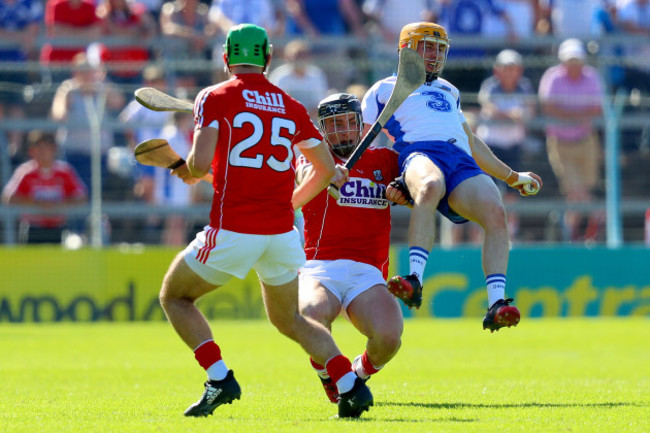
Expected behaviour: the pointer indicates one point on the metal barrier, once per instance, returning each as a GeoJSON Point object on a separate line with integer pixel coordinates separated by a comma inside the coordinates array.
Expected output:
{"type": "Point", "coordinates": [614, 123]}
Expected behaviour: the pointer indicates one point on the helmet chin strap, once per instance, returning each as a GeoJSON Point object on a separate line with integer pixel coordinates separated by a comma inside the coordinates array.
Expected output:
{"type": "Point", "coordinates": [343, 151]}
{"type": "Point", "coordinates": [431, 77]}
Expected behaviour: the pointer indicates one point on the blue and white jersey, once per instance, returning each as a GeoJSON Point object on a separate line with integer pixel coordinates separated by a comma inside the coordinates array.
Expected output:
{"type": "Point", "coordinates": [431, 113]}
{"type": "Point", "coordinates": [467, 17]}
{"type": "Point", "coordinates": [17, 15]}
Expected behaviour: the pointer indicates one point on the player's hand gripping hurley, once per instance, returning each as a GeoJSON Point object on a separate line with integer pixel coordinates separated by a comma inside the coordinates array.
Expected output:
{"type": "Point", "coordinates": [158, 153]}
{"type": "Point", "coordinates": [410, 75]}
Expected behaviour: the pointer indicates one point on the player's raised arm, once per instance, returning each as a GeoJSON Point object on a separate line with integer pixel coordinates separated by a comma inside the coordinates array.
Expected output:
{"type": "Point", "coordinates": [484, 157]}
{"type": "Point", "coordinates": [315, 180]}
{"type": "Point", "coordinates": [527, 183]}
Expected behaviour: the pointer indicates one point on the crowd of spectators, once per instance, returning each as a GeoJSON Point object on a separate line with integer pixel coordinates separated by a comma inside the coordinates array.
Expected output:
{"type": "Point", "coordinates": [92, 54]}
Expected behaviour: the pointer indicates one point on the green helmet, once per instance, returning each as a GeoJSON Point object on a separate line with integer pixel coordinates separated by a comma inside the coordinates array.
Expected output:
{"type": "Point", "coordinates": [247, 44]}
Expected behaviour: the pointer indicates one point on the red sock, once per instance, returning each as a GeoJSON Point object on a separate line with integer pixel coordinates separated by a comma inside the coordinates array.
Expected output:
{"type": "Point", "coordinates": [338, 367]}
{"type": "Point", "coordinates": [316, 365]}
{"type": "Point", "coordinates": [367, 365]}
{"type": "Point", "coordinates": [207, 354]}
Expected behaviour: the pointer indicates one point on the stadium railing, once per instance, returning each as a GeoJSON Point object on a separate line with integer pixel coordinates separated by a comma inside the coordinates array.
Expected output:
{"type": "Point", "coordinates": [620, 132]}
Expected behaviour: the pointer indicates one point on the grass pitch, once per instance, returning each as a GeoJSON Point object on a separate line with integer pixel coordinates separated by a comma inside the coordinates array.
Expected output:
{"type": "Point", "coordinates": [551, 375]}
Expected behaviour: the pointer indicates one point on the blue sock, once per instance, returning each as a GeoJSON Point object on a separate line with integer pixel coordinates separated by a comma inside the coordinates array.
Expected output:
{"type": "Point", "coordinates": [417, 261]}
{"type": "Point", "coordinates": [496, 287]}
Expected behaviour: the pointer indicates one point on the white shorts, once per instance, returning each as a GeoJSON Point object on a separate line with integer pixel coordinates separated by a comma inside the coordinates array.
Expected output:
{"type": "Point", "coordinates": [216, 255]}
{"type": "Point", "coordinates": [346, 279]}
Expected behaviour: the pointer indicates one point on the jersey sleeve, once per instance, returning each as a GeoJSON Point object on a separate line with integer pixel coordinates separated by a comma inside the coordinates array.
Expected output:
{"type": "Point", "coordinates": [207, 109]}
{"type": "Point", "coordinates": [461, 116]}
{"type": "Point", "coordinates": [307, 135]}
{"type": "Point", "coordinates": [370, 105]}
{"type": "Point", "coordinates": [15, 185]}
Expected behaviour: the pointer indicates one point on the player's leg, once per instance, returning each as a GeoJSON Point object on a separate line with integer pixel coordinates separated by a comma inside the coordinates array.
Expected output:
{"type": "Point", "coordinates": [209, 261]}
{"type": "Point", "coordinates": [181, 288]}
{"type": "Point", "coordinates": [278, 272]}
{"type": "Point", "coordinates": [321, 305]}
{"type": "Point", "coordinates": [377, 315]}
{"type": "Point", "coordinates": [281, 303]}
{"type": "Point", "coordinates": [318, 303]}
{"type": "Point", "coordinates": [478, 199]}
{"type": "Point", "coordinates": [426, 184]}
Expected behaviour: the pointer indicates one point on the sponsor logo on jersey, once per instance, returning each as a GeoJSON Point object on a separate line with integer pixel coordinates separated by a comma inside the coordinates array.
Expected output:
{"type": "Point", "coordinates": [358, 192]}
{"type": "Point", "coordinates": [268, 101]}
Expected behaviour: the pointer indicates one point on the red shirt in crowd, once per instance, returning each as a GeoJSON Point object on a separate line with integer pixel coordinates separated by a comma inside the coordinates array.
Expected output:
{"type": "Point", "coordinates": [46, 186]}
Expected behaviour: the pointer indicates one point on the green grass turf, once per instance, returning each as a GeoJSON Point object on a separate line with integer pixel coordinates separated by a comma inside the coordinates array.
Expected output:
{"type": "Point", "coordinates": [551, 375]}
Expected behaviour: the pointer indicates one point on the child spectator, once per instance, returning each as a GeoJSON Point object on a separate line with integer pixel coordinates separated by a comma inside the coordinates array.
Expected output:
{"type": "Point", "coordinates": [45, 183]}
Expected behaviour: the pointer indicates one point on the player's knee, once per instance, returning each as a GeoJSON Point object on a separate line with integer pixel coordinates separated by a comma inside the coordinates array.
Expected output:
{"type": "Point", "coordinates": [169, 294]}
{"type": "Point", "coordinates": [390, 338]}
{"type": "Point", "coordinates": [164, 298]}
{"type": "Point", "coordinates": [496, 216]}
{"type": "Point", "coordinates": [430, 193]}
{"type": "Point", "coordinates": [313, 312]}
{"type": "Point", "coordinates": [285, 323]}
{"type": "Point", "coordinates": [392, 341]}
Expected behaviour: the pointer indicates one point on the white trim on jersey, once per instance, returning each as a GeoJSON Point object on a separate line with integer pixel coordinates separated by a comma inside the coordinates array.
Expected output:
{"type": "Point", "coordinates": [225, 178]}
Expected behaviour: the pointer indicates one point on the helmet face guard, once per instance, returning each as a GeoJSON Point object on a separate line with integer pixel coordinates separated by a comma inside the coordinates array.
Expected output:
{"type": "Point", "coordinates": [435, 45]}
{"type": "Point", "coordinates": [247, 44]}
{"type": "Point", "coordinates": [340, 122]}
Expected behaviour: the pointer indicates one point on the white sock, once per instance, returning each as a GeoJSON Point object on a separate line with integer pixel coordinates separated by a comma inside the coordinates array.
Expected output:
{"type": "Point", "coordinates": [496, 287]}
{"type": "Point", "coordinates": [322, 373]}
{"type": "Point", "coordinates": [346, 383]}
{"type": "Point", "coordinates": [217, 371]}
{"type": "Point", "coordinates": [417, 261]}
{"type": "Point", "coordinates": [357, 367]}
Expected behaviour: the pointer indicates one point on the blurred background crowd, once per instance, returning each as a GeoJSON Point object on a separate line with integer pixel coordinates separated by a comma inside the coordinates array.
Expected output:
{"type": "Point", "coordinates": [558, 87]}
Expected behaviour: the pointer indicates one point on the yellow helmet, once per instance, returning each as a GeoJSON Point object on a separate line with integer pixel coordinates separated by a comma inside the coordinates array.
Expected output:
{"type": "Point", "coordinates": [411, 35]}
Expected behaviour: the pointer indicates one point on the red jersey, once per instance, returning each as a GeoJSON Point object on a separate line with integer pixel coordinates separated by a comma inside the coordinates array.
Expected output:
{"type": "Point", "coordinates": [60, 12]}
{"type": "Point", "coordinates": [358, 227]}
{"type": "Point", "coordinates": [52, 185]}
{"type": "Point", "coordinates": [254, 163]}
{"type": "Point", "coordinates": [126, 54]}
